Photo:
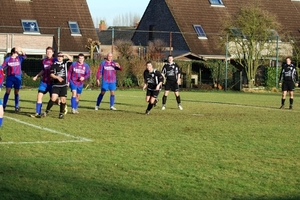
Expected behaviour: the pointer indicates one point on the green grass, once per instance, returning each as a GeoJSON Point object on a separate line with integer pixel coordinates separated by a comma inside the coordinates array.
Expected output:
{"type": "Point", "coordinates": [223, 145]}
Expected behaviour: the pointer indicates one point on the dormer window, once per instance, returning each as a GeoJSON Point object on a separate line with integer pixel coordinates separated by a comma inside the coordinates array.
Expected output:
{"type": "Point", "coordinates": [74, 28]}
{"type": "Point", "coordinates": [30, 27]}
{"type": "Point", "coordinates": [200, 32]}
{"type": "Point", "coordinates": [216, 3]}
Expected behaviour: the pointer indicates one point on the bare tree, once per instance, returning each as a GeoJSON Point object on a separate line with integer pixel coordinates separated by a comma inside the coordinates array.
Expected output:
{"type": "Point", "coordinates": [92, 45]}
{"type": "Point", "coordinates": [251, 35]}
{"type": "Point", "coordinates": [155, 49]}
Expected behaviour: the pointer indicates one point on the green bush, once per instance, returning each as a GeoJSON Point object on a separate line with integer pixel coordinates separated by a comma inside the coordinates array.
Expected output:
{"type": "Point", "coordinates": [270, 77]}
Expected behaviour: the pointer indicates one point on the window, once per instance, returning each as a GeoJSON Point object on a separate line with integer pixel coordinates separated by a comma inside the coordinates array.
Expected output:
{"type": "Point", "coordinates": [216, 2]}
{"type": "Point", "coordinates": [30, 26]}
{"type": "Point", "coordinates": [200, 32]}
{"type": "Point", "coordinates": [74, 28]}
{"type": "Point", "coordinates": [237, 33]}
{"type": "Point", "coordinates": [274, 36]}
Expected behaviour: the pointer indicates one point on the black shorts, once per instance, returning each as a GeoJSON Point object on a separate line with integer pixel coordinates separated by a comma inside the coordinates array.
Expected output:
{"type": "Point", "coordinates": [172, 85]}
{"type": "Point", "coordinates": [288, 86]}
{"type": "Point", "coordinates": [152, 93]}
{"type": "Point", "coordinates": [60, 91]}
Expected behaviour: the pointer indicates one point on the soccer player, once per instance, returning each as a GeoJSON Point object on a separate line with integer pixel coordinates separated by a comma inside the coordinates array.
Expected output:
{"type": "Point", "coordinates": [153, 81]}
{"type": "Point", "coordinates": [58, 73]}
{"type": "Point", "coordinates": [46, 81]}
{"type": "Point", "coordinates": [107, 69]}
{"type": "Point", "coordinates": [171, 72]}
{"type": "Point", "coordinates": [13, 67]}
{"type": "Point", "coordinates": [288, 79]}
{"type": "Point", "coordinates": [78, 72]}
{"type": "Point", "coordinates": [1, 104]}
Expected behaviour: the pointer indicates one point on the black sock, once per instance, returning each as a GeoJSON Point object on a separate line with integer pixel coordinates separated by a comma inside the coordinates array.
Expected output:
{"type": "Point", "coordinates": [149, 106]}
{"type": "Point", "coordinates": [164, 99]}
{"type": "Point", "coordinates": [178, 99]}
{"type": "Point", "coordinates": [49, 105]}
{"type": "Point", "coordinates": [62, 108]}
{"type": "Point", "coordinates": [291, 101]}
{"type": "Point", "coordinates": [282, 101]}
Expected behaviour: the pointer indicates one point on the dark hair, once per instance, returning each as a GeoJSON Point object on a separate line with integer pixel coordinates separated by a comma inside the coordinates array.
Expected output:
{"type": "Point", "coordinates": [59, 53]}
{"type": "Point", "coordinates": [13, 50]}
{"type": "Point", "coordinates": [49, 48]}
{"type": "Point", "coordinates": [148, 62]}
{"type": "Point", "coordinates": [170, 56]}
{"type": "Point", "coordinates": [81, 54]}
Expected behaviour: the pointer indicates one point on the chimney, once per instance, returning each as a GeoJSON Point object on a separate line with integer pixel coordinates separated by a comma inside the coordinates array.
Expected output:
{"type": "Point", "coordinates": [102, 25]}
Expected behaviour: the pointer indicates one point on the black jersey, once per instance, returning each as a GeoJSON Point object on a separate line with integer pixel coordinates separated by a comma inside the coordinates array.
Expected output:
{"type": "Point", "coordinates": [152, 79]}
{"type": "Point", "coordinates": [289, 73]}
{"type": "Point", "coordinates": [171, 71]}
{"type": "Point", "coordinates": [60, 69]}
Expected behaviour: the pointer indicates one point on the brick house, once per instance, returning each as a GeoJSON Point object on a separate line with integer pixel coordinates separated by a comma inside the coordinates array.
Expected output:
{"type": "Point", "coordinates": [36, 24]}
{"type": "Point", "coordinates": [193, 26]}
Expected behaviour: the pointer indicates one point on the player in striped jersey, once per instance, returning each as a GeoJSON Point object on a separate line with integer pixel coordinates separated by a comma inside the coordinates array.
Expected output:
{"type": "Point", "coordinates": [78, 72]}
{"type": "Point", "coordinates": [13, 67]}
{"type": "Point", "coordinates": [46, 81]}
{"type": "Point", "coordinates": [1, 104]}
{"type": "Point", "coordinates": [107, 70]}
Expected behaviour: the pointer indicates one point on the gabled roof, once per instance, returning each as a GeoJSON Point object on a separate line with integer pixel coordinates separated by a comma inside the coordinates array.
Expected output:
{"type": "Point", "coordinates": [118, 32]}
{"type": "Point", "coordinates": [179, 17]}
{"type": "Point", "coordinates": [50, 15]}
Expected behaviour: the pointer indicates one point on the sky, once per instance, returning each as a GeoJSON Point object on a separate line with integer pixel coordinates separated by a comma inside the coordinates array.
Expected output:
{"type": "Point", "coordinates": [109, 9]}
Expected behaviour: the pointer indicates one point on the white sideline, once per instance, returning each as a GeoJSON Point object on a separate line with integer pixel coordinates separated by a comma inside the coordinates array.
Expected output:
{"type": "Point", "coordinates": [78, 139]}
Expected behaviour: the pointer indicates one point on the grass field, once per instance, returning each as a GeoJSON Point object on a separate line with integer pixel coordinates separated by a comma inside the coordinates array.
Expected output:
{"type": "Point", "coordinates": [222, 145]}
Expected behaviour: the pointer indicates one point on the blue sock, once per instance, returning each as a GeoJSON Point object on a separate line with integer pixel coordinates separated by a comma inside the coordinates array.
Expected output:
{"type": "Point", "coordinates": [5, 99]}
{"type": "Point", "coordinates": [73, 102]}
{"type": "Point", "coordinates": [38, 108]}
{"type": "Point", "coordinates": [112, 100]}
{"type": "Point", "coordinates": [17, 99]}
{"type": "Point", "coordinates": [100, 97]}
{"type": "Point", "coordinates": [1, 121]}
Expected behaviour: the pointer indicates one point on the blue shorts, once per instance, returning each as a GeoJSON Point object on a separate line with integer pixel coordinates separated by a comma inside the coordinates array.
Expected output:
{"type": "Point", "coordinates": [13, 82]}
{"type": "Point", "coordinates": [108, 86]}
{"type": "Point", "coordinates": [76, 87]}
{"type": "Point", "coordinates": [44, 88]}
{"type": "Point", "coordinates": [1, 102]}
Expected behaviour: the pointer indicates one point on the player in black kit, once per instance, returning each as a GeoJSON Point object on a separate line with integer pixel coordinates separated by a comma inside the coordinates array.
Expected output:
{"type": "Point", "coordinates": [58, 73]}
{"type": "Point", "coordinates": [153, 81]}
{"type": "Point", "coordinates": [288, 79]}
{"type": "Point", "coordinates": [171, 72]}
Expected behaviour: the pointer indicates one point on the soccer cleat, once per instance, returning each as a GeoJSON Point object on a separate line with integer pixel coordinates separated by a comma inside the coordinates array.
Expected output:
{"type": "Point", "coordinates": [113, 108]}
{"type": "Point", "coordinates": [74, 111]}
{"type": "Point", "coordinates": [155, 102]}
{"type": "Point", "coordinates": [163, 107]}
{"type": "Point", "coordinates": [17, 109]}
{"type": "Point", "coordinates": [45, 114]}
{"type": "Point", "coordinates": [36, 115]}
{"type": "Point", "coordinates": [281, 107]}
{"type": "Point", "coordinates": [66, 109]}
{"type": "Point", "coordinates": [147, 112]}
{"type": "Point", "coordinates": [61, 116]}
{"type": "Point", "coordinates": [96, 107]}
{"type": "Point", "coordinates": [180, 107]}
{"type": "Point", "coordinates": [291, 107]}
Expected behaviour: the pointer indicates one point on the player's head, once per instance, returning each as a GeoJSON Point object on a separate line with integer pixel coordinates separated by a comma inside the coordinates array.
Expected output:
{"type": "Point", "coordinates": [13, 51]}
{"type": "Point", "coordinates": [81, 57]}
{"type": "Point", "coordinates": [149, 66]}
{"type": "Point", "coordinates": [109, 56]}
{"type": "Point", "coordinates": [60, 56]}
{"type": "Point", "coordinates": [49, 52]}
{"type": "Point", "coordinates": [288, 60]}
{"type": "Point", "coordinates": [170, 58]}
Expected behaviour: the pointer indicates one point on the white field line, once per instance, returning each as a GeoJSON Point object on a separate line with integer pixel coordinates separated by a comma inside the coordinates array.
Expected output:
{"type": "Point", "coordinates": [77, 139]}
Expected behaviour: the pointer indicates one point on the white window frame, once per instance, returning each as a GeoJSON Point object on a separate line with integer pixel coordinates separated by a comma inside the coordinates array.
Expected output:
{"type": "Point", "coordinates": [74, 33]}
{"type": "Point", "coordinates": [35, 30]}
{"type": "Point", "coordinates": [200, 31]}
{"type": "Point", "coordinates": [216, 3]}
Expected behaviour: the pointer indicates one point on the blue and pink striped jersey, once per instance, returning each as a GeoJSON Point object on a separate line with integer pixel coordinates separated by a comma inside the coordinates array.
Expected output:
{"type": "Point", "coordinates": [78, 70]}
{"type": "Point", "coordinates": [107, 70]}
{"type": "Point", "coordinates": [2, 75]}
{"type": "Point", "coordinates": [46, 64]}
{"type": "Point", "coordinates": [13, 65]}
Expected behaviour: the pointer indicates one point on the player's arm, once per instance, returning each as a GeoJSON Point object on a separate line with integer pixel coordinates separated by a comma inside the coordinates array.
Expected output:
{"type": "Point", "coordinates": [281, 76]}
{"type": "Point", "coordinates": [99, 73]}
{"type": "Point", "coordinates": [70, 58]}
{"type": "Point", "coordinates": [296, 78]}
{"type": "Point", "coordinates": [160, 80]}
